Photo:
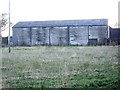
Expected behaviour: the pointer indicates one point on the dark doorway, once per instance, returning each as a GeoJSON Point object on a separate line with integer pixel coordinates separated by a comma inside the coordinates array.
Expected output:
{"type": "Point", "coordinates": [92, 42]}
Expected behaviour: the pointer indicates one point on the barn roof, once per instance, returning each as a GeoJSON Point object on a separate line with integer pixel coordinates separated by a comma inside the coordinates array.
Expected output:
{"type": "Point", "coordinates": [62, 23]}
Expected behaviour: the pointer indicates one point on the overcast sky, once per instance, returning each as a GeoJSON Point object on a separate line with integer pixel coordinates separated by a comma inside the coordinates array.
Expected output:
{"type": "Point", "coordinates": [39, 10]}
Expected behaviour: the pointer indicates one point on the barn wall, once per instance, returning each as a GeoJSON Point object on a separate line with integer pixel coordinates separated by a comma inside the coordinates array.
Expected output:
{"type": "Point", "coordinates": [15, 36]}
{"type": "Point", "coordinates": [46, 35]}
{"type": "Point", "coordinates": [115, 35]}
{"type": "Point", "coordinates": [35, 36]}
{"type": "Point", "coordinates": [98, 33]}
{"type": "Point", "coordinates": [79, 35]}
{"type": "Point", "coordinates": [21, 36]}
{"type": "Point", "coordinates": [26, 36]}
{"type": "Point", "coordinates": [40, 36]}
{"type": "Point", "coordinates": [59, 36]}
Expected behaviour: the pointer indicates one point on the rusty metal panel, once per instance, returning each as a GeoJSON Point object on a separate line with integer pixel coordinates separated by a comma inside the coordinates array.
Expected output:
{"type": "Point", "coordinates": [79, 35]}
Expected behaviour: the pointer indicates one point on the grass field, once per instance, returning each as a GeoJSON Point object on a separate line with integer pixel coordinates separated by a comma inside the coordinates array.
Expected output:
{"type": "Point", "coordinates": [56, 67]}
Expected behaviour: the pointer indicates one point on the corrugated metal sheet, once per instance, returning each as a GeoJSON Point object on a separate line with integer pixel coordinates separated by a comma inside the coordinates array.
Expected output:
{"type": "Point", "coordinates": [62, 23]}
{"type": "Point", "coordinates": [79, 35]}
{"type": "Point", "coordinates": [115, 35]}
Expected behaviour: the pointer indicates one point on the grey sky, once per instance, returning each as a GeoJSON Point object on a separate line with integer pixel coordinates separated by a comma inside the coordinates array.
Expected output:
{"type": "Point", "coordinates": [37, 10]}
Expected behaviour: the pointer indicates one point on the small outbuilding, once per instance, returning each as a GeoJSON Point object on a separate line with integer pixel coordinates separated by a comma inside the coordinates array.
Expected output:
{"type": "Point", "coordinates": [61, 32]}
{"type": "Point", "coordinates": [115, 36]}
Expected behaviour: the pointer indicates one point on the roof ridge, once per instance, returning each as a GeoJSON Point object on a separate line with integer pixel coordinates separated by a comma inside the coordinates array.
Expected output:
{"type": "Point", "coordinates": [61, 23]}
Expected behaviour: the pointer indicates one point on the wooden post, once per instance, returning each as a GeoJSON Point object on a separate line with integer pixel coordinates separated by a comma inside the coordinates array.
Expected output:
{"type": "Point", "coordinates": [88, 35]}
{"type": "Point", "coordinates": [49, 36]}
{"type": "Point", "coordinates": [44, 35]}
{"type": "Point", "coordinates": [68, 29]}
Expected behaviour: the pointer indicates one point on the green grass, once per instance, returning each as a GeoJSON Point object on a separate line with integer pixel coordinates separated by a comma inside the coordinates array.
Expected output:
{"type": "Point", "coordinates": [56, 67]}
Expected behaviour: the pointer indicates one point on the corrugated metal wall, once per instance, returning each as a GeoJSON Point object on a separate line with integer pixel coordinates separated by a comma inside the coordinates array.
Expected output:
{"type": "Point", "coordinates": [40, 36]}
{"type": "Point", "coordinates": [115, 35]}
{"type": "Point", "coordinates": [21, 36]}
{"type": "Point", "coordinates": [59, 36]}
{"type": "Point", "coordinates": [78, 35]}
{"type": "Point", "coordinates": [99, 33]}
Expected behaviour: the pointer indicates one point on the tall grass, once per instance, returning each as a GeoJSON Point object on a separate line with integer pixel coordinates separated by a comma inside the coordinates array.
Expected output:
{"type": "Point", "coordinates": [56, 67]}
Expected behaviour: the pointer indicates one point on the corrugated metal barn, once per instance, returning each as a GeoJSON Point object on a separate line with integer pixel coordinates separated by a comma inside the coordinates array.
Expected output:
{"type": "Point", "coordinates": [66, 32]}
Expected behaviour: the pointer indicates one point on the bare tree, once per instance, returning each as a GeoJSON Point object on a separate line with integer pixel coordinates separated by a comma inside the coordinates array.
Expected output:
{"type": "Point", "coordinates": [3, 24]}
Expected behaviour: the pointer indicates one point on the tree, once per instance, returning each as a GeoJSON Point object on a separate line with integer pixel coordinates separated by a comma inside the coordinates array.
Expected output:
{"type": "Point", "coordinates": [3, 24]}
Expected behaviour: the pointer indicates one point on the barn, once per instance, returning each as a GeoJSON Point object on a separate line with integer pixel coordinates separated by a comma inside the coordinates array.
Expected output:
{"type": "Point", "coordinates": [115, 36]}
{"type": "Point", "coordinates": [61, 32]}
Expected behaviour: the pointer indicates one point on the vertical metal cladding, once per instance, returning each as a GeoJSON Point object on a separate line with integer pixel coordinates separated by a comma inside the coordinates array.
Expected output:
{"type": "Point", "coordinates": [79, 35]}
{"type": "Point", "coordinates": [59, 36]}
{"type": "Point", "coordinates": [40, 36]}
{"type": "Point", "coordinates": [21, 36]}
{"type": "Point", "coordinates": [98, 33]}
{"type": "Point", "coordinates": [61, 33]}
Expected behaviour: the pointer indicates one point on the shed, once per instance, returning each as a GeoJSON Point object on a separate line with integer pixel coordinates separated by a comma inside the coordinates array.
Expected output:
{"type": "Point", "coordinates": [115, 35]}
